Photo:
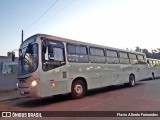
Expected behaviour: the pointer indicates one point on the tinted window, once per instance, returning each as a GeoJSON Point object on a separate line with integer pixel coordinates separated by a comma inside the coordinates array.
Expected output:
{"type": "Point", "coordinates": [151, 63]}
{"type": "Point", "coordinates": [132, 56]}
{"type": "Point", "coordinates": [96, 51]}
{"type": "Point", "coordinates": [154, 63]}
{"type": "Point", "coordinates": [112, 60]}
{"type": "Point", "coordinates": [81, 50]}
{"type": "Point", "coordinates": [71, 49]}
{"type": "Point", "coordinates": [58, 54]}
{"type": "Point", "coordinates": [140, 57]}
{"type": "Point", "coordinates": [123, 55]}
{"type": "Point", "coordinates": [123, 58]}
{"type": "Point", "coordinates": [76, 49]}
{"type": "Point", "coordinates": [112, 57]}
{"type": "Point", "coordinates": [110, 53]}
{"type": "Point", "coordinates": [77, 53]}
{"type": "Point", "coordinates": [53, 54]}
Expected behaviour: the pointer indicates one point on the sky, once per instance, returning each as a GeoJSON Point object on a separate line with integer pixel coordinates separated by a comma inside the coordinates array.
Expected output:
{"type": "Point", "coordinates": [114, 23]}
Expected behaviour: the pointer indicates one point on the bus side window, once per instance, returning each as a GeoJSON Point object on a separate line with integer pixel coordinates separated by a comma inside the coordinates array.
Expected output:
{"type": "Point", "coordinates": [77, 53]}
{"type": "Point", "coordinates": [133, 58]}
{"type": "Point", "coordinates": [151, 63]}
{"type": "Point", "coordinates": [53, 54]}
{"type": "Point", "coordinates": [123, 57]}
{"type": "Point", "coordinates": [97, 55]}
{"type": "Point", "coordinates": [141, 59]}
{"type": "Point", "coordinates": [112, 57]}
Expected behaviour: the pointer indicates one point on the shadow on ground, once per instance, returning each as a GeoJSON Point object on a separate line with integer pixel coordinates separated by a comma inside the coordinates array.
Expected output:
{"type": "Point", "coordinates": [150, 79]}
{"type": "Point", "coordinates": [31, 103]}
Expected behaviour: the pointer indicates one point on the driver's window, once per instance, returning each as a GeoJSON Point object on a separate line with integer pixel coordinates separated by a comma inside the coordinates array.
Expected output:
{"type": "Point", "coordinates": [58, 54]}
{"type": "Point", "coordinates": [54, 53]}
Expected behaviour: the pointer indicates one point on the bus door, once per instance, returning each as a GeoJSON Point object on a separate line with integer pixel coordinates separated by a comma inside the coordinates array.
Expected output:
{"type": "Point", "coordinates": [53, 60]}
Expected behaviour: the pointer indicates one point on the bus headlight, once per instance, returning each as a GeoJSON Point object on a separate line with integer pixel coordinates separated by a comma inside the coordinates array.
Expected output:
{"type": "Point", "coordinates": [34, 83]}
{"type": "Point", "coordinates": [17, 85]}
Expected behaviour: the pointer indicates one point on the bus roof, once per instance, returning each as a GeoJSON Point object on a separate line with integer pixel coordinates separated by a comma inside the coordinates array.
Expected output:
{"type": "Point", "coordinates": [82, 43]}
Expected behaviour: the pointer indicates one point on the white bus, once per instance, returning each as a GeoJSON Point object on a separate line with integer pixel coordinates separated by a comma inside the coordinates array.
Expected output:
{"type": "Point", "coordinates": [50, 65]}
{"type": "Point", "coordinates": [154, 65]}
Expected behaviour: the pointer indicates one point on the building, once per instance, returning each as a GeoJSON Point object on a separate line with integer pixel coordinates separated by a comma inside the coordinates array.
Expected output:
{"type": "Point", "coordinates": [8, 72]}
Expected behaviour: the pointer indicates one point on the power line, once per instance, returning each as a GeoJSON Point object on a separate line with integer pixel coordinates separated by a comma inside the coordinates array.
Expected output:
{"type": "Point", "coordinates": [59, 11]}
{"type": "Point", "coordinates": [62, 8]}
{"type": "Point", "coordinates": [41, 16]}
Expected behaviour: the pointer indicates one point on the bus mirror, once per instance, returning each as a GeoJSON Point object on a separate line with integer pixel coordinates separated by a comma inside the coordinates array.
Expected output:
{"type": "Point", "coordinates": [50, 52]}
{"type": "Point", "coordinates": [13, 56]}
{"type": "Point", "coordinates": [29, 49]}
{"type": "Point", "coordinates": [46, 53]}
{"type": "Point", "coordinates": [44, 49]}
{"type": "Point", "coordinates": [50, 48]}
{"type": "Point", "coordinates": [20, 54]}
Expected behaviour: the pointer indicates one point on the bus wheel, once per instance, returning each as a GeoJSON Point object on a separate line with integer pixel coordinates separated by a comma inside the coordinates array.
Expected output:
{"type": "Point", "coordinates": [78, 89]}
{"type": "Point", "coordinates": [131, 81]}
{"type": "Point", "coordinates": [153, 77]}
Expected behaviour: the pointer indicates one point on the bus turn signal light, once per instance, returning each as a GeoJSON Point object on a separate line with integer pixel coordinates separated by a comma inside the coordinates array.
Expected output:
{"type": "Point", "coordinates": [53, 84]}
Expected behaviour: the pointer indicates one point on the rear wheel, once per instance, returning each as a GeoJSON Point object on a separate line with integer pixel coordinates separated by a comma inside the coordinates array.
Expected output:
{"type": "Point", "coordinates": [131, 81]}
{"type": "Point", "coordinates": [153, 77]}
{"type": "Point", "coordinates": [78, 89]}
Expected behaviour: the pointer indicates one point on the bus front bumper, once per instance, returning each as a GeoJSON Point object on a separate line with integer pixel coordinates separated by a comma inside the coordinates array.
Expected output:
{"type": "Point", "coordinates": [28, 91]}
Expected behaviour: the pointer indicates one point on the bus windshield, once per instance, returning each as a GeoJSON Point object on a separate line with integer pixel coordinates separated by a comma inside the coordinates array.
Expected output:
{"type": "Point", "coordinates": [28, 59]}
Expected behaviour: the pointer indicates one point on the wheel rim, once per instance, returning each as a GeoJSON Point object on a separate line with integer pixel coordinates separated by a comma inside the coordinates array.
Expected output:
{"type": "Point", "coordinates": [132, 80]}
{"type": "Point", "coordinates": [78, 89]}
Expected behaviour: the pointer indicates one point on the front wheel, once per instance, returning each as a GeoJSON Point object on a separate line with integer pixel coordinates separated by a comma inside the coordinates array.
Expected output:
{"type": "Point", "coordinates": [132, 81]}
{"type": "Point", "coordinates": [78, 89]}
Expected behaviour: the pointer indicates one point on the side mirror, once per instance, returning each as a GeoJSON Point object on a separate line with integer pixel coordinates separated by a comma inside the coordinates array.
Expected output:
{"type": "Point", "coordinates": [20, 54]}
{"type": "Point", "coordinates": [46, 53]}
{"type": "Point", "coordinates": [49, 52]}
{"type": "Point", "coordinates": [29, 48]}
{"type": "Point", "coordinates": [13, 56]}
{"type": "Point", "coordinates": [50, 48]}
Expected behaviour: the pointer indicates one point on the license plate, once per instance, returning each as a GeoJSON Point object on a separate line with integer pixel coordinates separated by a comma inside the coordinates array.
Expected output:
{"type": "Point", "coordinates": [22, 92]}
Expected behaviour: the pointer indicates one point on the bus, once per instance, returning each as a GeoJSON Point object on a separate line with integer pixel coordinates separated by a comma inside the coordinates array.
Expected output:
{"type": "Point", "coordinates": [50, 65]}
{"type": "Point", "coordinates": [154, 65]}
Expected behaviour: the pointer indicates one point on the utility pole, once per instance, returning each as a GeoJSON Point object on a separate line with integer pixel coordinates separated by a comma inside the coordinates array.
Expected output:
{"type": "Point", "coordinates": [22, 36]}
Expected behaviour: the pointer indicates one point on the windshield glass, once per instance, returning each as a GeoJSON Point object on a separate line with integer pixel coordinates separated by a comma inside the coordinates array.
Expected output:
{"type": "Point", "coordinates": [28, 59]}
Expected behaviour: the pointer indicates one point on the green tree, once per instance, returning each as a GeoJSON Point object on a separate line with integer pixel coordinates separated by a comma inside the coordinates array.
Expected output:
{"type": "Point", "coordinates": [138, 49]}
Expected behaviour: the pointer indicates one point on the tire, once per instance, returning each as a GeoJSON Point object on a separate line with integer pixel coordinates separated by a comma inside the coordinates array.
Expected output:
{"type": "Point", "coordinates": [132, 81]}
{"type": "Point", "coordinates": [78, 89]}
{"type": "Point", "coordinates": [153, 76]}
